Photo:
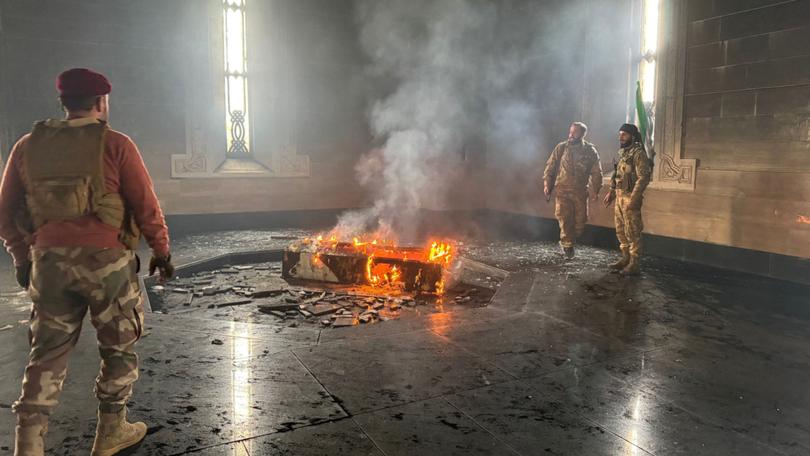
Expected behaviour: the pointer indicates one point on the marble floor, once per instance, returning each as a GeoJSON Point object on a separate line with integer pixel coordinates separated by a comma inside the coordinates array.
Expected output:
{"type": "Point", "coordinates": [566, 360]}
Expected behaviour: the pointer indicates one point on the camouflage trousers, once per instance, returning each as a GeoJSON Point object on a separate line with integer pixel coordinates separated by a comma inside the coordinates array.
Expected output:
{"type": "Point", "coordinates": [628, 224]}
{"type": "Point", "coordinates": [65, 283]}
{"type": "Point", "coordinates": [571, 210]}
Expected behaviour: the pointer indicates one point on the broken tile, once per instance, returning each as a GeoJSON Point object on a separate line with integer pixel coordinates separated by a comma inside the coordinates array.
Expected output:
{"type": "Point", "coordinates": [238, 302]}
{"type": "Point", "coordinates": [210, 290]}
{"type": "Point", "coordinates": [268, 293]}
{"type": "Point", "coordinates": [281, 307]}
{"type": "Point", "coordinates": [343, 320]}
{"type": "Point", "coordinates": [322, 309]}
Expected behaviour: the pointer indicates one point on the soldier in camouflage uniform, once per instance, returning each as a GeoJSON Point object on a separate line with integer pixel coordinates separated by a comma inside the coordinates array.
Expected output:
{"type": "Point", "coordinates": [74, 200]}
{"type": "Point", "coordinates": [630, 179]}
{"type": "Point", "coordinates": [568, 169]}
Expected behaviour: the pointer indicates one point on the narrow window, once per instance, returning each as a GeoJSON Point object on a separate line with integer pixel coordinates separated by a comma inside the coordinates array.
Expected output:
{"type": "Point", "coordinates": [649, 47]}
{"type": "Point", "coordinates": [237, 118]}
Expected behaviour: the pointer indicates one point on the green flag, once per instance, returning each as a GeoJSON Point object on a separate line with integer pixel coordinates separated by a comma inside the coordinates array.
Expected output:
{"type": "Point", "coordinates": [643, 122]}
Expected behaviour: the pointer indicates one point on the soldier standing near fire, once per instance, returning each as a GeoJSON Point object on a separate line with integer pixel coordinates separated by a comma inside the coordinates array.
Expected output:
{"type": "Point", "coordinates": [630, 178]}
{"type": "Point", "coordinates": [74, 199]}
{"type": "Point", "coordinates": [572, 163]}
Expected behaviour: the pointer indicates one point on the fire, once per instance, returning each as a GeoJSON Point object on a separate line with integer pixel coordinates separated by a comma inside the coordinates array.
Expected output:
{"type": "Point", "coordinates": [440, 287]}
{"type": "Point", "coordinates": [382, 274]}
{"type": "Point", "coordinates": [372, 279]}
{"type": "Point", "coordinates": [320, 242]}
{"type": "Point", "coordinates": [380, 270]}
{"type": "Point", "coordinates": [395, 275]}
{"type": "Point", "coordinates": [439, 252]}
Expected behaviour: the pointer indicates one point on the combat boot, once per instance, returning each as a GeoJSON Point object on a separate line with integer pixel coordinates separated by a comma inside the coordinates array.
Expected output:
{"type": "Point", "coordinates": [569, 252]}
{"type": "Point", "coordinates": [623, 261]}
{"type": "Point", "coordinates": [29, 435]}
{"type": "Point", "coordinates": [114, 433]}
{"type": "Point", "coordinates": [633, 267]}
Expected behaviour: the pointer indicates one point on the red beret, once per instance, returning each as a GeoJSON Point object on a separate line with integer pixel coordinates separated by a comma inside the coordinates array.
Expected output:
{"type": "Point", "coordinates": [81, 82]}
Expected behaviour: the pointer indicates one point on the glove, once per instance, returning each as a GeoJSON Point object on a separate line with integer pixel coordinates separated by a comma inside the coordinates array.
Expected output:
{"type": "Point", "coordinates": [163, 265]}
{"type": "Point", "coordinates": [23, 273]}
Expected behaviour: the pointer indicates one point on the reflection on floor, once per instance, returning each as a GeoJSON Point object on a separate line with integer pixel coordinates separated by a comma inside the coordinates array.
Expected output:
{"type": "Point", "coordinates": [567, 359]}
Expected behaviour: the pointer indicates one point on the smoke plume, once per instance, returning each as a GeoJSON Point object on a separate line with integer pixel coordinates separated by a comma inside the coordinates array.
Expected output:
{"type": "Point", "coordinates": [458, 75]}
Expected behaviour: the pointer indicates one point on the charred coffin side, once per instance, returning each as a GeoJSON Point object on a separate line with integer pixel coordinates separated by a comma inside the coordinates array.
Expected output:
{"type": "Point", "coordinates": [416, 275]}
{"type": "Point", "coordinates": [305, 265]}
{"type": "Point", "coordinates": [351, 269]}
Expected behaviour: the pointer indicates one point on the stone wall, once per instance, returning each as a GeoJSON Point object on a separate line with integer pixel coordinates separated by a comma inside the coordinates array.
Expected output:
{"type": "Point", "coordinates": [746, 121]}
{"type": "Point", "coordinates": [304, 63]}
{"type": "Point", "coordinates": [744, 99]}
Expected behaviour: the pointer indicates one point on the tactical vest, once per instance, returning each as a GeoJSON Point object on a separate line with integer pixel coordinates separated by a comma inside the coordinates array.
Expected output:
{"type": "Point", "coordinates": [625, 175]}
{"type": "Point", "coordinates": [64, 178]}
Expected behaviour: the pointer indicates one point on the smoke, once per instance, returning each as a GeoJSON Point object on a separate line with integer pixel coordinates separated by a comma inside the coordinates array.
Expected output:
{"type": "Point", "coordinates": [461, 74]}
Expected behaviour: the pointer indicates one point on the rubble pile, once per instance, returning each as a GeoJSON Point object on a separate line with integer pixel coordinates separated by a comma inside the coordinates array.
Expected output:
{"type": "Point", "coordinates": [261, 290]}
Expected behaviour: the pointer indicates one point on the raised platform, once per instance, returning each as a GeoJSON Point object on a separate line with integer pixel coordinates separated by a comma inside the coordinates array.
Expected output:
{"type": "Point", "coordinates": [499, 225]}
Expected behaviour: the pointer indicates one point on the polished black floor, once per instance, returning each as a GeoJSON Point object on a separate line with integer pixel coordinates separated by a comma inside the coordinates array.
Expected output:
{"type": "Point", "coordinates": [567, 360]}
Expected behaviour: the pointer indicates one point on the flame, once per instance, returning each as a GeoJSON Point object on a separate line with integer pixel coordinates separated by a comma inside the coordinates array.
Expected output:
{"type": "Point", "coordinates": [372, 279]}
{"type": "Point", "coordinates": [439, 252]}
{"type": "Point", "coordinates": [394, 276]}
{"type": "Point", "coordinates": [376, 248]}
{"type": "Point", "coordinates": [382, 274]}
{"type": "Point", "coordinates": [803, 219]}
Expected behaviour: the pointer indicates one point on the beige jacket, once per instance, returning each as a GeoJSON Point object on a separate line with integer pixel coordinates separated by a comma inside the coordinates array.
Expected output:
{"type": "Point", "coordinates": [570, 166]}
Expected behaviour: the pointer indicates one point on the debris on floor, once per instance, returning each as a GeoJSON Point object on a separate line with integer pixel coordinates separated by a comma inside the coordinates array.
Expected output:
{"type": "Point", "coordinates": [256, 291]}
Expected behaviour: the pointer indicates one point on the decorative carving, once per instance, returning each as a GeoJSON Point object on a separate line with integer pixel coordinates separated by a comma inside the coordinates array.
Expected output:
{"type": "Point", "coordinates": [238, 146]}
{"type": "Point", "coordinates": [194, 163]}
{"type": "Point", "coordinates": [294, 166]}
{"type": "Point", "coordinates": [672, 171]}
{"type": "Point", "coordinates": [189, 165]}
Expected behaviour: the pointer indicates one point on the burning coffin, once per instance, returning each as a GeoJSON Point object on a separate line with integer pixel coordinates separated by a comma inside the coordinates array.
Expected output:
{"type": "Point", "coordinates": [377, 264]}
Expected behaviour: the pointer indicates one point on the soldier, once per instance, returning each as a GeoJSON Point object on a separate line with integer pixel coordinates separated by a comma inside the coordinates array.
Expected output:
{"type": "Point", "coordinates": [74, 199]}
{"type": "Point", "coordinates": [567, 171]}
{"type": "Point", "coordinates": [630, 178]}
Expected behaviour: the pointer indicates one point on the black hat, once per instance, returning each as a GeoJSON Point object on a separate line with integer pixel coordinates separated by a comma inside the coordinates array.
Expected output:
{"type": "Point", "coordinates": [630, 128]}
